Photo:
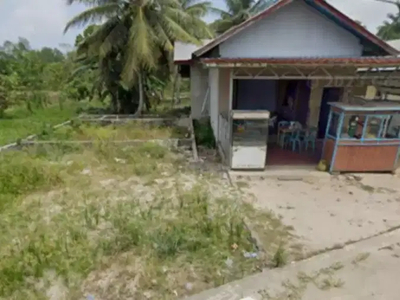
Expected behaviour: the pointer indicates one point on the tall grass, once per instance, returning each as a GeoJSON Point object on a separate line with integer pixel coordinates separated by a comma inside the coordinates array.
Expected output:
{"type": "Point", "coordinates": [129, 131]}
{"type": "Point", "coordinates": [22, 173]}
{"type": "Point", "coordinates": [83, 229]}
{"type": "Point", "coordinates": [116, 222]}
{"type": "Point", "coordinates": [19, 123]}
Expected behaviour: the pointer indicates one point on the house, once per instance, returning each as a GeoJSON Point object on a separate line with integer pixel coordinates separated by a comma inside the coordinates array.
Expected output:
{"type": "Point", "coordinates": [292, 59]}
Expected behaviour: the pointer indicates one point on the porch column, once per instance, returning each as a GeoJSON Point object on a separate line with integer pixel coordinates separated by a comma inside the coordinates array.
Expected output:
{"type": "Point", "coordinates": [198, 90]}
{"type": "Point", "coordinates": [214, 99]}
{"type": "Point", "coordinates": [346, 95]}
{"type": "Point", "coordinates": [317, 88]}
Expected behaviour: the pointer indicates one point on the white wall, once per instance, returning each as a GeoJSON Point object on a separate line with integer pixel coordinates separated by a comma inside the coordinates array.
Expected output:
{"type": "Point", "coordinates": [198, 89]}
{"type": "Point", "coordinates": [295, 30]}
{"type": "Point", "coordinates": [214, 99]}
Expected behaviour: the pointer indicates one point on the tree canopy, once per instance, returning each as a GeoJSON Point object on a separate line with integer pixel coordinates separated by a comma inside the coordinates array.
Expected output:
{"type": "Point", "coordinates": [136, 40]}
{"type": "Point", "coordinates": [390, 29]}
{"type": "Point", "coordinates": [236, 12]}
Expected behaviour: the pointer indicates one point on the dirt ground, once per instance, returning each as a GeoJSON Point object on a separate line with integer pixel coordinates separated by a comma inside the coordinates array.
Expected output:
{"type": "Point", "coordinates": [330, 211]}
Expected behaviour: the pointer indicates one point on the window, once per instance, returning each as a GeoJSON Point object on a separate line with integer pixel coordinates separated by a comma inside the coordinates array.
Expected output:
{"type": "Point", "coordinates": [349, 128]}
{"type": "Point", "coordinates": [373, 130]}
{"type": "Point", "coordinates": [334, 125]}
{"type": "Point", "coordinates": [393, 127]}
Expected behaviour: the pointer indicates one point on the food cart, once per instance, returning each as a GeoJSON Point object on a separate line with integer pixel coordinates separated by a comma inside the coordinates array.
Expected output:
{"type": "Point", "coordinates": [363, 138]}
{"type": "Point", "coordinates": [249, 139]}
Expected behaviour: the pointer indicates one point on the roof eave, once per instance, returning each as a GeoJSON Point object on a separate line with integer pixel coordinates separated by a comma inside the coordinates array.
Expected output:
{"type": "Point", "coordinates": [325, 62]}
{"type": "Point", "coordinates": [183, 62]}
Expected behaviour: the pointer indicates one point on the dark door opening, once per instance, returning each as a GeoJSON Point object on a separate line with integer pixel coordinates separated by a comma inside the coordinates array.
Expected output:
{"type": "Point", "coordinates": [303, 102]}
{"type": "Point", "coordinates": [329, 95]}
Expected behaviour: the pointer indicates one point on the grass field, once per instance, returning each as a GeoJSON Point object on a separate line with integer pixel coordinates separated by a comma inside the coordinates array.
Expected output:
{"type": "Point", "coordinates": [120, 222]}
{"type": "Point", "coordinates": [20, 123]}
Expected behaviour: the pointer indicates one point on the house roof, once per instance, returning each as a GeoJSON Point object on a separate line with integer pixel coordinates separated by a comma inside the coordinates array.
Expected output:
{"type": "Point", "coordinates": [183, 51]}
{"type": "Point", "coordinates": [359, 62]}
{"type": "Point", "coordinates": [395, 44]}
{"type": "Point", "coordinates": [320, 5]}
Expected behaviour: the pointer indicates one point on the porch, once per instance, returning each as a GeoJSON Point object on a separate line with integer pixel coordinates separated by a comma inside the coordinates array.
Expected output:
{"type": "Point", "coordinates": [289, 93]}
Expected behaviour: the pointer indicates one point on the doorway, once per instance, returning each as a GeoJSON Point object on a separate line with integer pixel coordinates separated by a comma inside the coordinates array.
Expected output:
{"type": "Point", "coordinates": [331, 94]}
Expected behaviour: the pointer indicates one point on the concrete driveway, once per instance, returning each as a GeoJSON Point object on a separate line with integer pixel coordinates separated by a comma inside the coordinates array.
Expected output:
{"type": "Point", "coordinates": [350, 229]}
{"type": "Point", "coordinates": [367, 270]}
{"type": "Point", "coordinates": [327, 212]}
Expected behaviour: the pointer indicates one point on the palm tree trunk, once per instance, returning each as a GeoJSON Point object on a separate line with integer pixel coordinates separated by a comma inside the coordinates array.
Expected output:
{"type": "Point", "coordinates": [147, 103]}
{"type": "Point", "coordinates": [141, 95]}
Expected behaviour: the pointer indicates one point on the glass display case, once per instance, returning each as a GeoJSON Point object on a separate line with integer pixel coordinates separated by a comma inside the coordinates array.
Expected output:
{"type": "Point", "coordinates": [363, 138]}
{"type": "Point", "coordinates": [249, 139]}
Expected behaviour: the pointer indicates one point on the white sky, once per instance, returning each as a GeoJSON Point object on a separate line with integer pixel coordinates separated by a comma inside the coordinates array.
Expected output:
{"type": "Point", "coordinates": [42, 21]}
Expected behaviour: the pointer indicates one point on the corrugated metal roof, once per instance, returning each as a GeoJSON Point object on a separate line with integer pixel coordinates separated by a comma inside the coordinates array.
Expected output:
{"type": "Point", "coordinates": [183, 51]}
{"type": "Point", "coordinates": [327, 61]}
{"type": "Point", "coordinates": [395, 44]}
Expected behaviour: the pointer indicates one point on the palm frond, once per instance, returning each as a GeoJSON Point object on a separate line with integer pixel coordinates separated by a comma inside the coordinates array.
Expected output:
{"type": "Point", "coordinates": [220, 12]}
{"type": "Point", "coordinates": [115, 39]}
{"type": "Point", "coordinates": [178, 33]}
{"type": "Point", "coordinates": [91, 2]}
{"type": "Point", "coordinates": [94, 14]}
{"type": "Point", "coordinates": [140, 48]}
{"type": "Point", "coordinates": [198, 10]}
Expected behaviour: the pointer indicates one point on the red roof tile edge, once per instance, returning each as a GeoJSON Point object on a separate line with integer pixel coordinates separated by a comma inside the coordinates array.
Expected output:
{"type": "Point", "coordinates": [359, 61]}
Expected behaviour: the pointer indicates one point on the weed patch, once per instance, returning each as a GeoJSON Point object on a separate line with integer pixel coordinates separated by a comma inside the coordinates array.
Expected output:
{"type": "Point", "coordinates": [22, 173]}
{"type": "Point", "coordinates": [128, 131]}
{"type": "Point", "coordinates": [116, 222]}
{"type": "Point", "coordinates": [204, 133]}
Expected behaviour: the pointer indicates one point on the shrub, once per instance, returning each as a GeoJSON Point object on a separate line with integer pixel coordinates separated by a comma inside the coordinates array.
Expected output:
{"type": "Point", "coordinates": [204, 133]}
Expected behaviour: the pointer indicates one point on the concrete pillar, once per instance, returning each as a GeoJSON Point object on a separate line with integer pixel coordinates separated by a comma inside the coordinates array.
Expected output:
{"type": "Point", "coordinates": [346, 95]}
{"type": "Point", "coordinates": [198, 90]}
{"type": "Point", "coordinates": [315, 103]}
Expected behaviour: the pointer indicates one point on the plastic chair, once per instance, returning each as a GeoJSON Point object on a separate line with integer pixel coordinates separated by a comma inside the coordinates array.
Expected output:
{"type": "Point", "coordinates": [310, 138]}
{"type": "Point", "coordinates": [295, 140]}
{"type": "Point", "coordinates": [272, 122]}
{"type": "Point", "coordinates": [283, 137]}
{"type": "Point", "coordinates": [297, 125]}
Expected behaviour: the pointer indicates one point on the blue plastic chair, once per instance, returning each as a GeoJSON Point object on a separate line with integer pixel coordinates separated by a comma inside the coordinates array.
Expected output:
{"type": "Point", "coordinates": [295, 140]}
{"type": "Point", "coordinates": [283, 138]}
{"type": "Point", "coordinates": [310, 138]}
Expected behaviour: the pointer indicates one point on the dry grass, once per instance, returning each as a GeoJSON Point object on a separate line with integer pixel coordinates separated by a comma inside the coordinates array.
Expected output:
{"type": "Point", "coordinates": [127, 131]}
{"type": "Point", "coordinates": [323, 279]}
{"type": "Point", "coordinates": [117, 223]}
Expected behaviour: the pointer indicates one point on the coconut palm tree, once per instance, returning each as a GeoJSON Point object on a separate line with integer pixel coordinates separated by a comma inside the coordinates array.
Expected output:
{"type": "Point", "coordinates": [236, 12]}
{"type": "Point", "coordinates": [137, 34]}
{"type": "Point", "coordinates": [390, 29]}
{"type": "Point", "coordinates": [198, 10]}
